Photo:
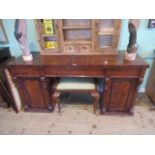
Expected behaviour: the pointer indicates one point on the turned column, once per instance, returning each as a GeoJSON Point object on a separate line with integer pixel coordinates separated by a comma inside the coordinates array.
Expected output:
{"type": "Point", "coordinates": [45, 84]}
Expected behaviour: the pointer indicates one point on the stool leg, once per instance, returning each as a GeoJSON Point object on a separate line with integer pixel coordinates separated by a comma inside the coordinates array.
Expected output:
{"type": "Point", "coordinates": [55, 100]}
{"type": "Point", "coordinates": [95, 96]}
{"type": "Point", "coordinates": [59, 106]}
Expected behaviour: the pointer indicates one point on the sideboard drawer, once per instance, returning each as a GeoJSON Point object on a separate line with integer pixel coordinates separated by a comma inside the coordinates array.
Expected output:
{"type": "Point", "coordinates": [73, 71]}
{"type": "Point", "coordinates": [123, 72]}
{"type": "Point", "coordinates": [26, 71]}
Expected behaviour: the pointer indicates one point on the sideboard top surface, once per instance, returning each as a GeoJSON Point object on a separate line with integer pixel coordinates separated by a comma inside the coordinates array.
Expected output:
{"type": "Point", "coordinates": [79, 60]}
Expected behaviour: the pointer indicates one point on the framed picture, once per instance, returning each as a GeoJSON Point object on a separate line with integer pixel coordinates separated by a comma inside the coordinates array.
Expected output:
{"type": "Point", "coordinates": [3, 36]}
{"type": "Point", "coordinates": [151, 23]}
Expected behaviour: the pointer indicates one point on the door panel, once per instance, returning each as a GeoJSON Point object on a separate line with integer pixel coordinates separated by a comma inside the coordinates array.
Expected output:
{"type": "Point", "coordinates": [106, 34]}
{"type": "Point", "coordinates": [119, 94]}
{"type": "Point", "coordinates": [34, 93]}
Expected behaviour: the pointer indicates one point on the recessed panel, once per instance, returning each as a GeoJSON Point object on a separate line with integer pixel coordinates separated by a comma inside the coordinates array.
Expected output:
{"type": "Point", "coordinates": [105, 41]}
{"type": "Point", "coordinates": [77, 35]}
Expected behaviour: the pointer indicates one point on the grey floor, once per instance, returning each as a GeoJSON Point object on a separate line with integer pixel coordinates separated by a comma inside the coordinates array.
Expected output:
{"type": "Point", "coordinates": [77, 118]}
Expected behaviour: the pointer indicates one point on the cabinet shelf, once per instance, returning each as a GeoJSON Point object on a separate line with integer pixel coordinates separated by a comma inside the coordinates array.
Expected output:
{"type": "Point", "coordinates": [48, 35]}
{"type": "Point", "coordinates": [66, 42]}
{"type": "Point", "coordinates": [76, 27]}
{"type": "Point", "coordinates": [106, 31]}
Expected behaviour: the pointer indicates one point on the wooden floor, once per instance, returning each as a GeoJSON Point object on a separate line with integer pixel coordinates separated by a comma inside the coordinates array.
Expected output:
{"type": "Point", "coordinates": [78, 118]}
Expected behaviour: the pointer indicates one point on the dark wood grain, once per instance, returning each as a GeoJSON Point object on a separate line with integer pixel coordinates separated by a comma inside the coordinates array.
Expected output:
{"type": "Point", "coordinates": [120, 95]}
{"type": "Point", "coordinates": [104, 61]}
{"type": "Point", "coordinates": [121, 78]}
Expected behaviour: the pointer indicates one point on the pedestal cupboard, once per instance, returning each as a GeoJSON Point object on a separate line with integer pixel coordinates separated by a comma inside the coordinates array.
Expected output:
{"type": "Point", "coordinates": [121, 78]}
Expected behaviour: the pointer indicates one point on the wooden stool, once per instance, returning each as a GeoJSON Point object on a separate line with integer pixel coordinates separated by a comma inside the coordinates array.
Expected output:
{"type": "Point", "coordinates": [75, 85]}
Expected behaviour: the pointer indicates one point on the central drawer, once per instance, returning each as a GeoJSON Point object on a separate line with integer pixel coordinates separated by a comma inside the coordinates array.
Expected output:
{"type": "Point", "coordinates": [73, 71]}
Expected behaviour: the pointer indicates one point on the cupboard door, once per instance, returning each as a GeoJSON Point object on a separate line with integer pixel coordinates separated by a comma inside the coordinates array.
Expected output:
{"type": "Point", "coordinates": [119, 95]}
{"type": "Point", "coordinates": [106, 34]}
{"type": "Point", "coordinates": [35, 94]}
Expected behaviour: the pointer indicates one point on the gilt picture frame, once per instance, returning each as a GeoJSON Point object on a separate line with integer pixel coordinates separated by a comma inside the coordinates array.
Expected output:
{"type": "Point", "coordinates": [3, 36]}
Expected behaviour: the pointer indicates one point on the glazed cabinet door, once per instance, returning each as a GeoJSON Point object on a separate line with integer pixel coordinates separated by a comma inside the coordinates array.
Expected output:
{"type": "Point", "coordinates": [34, 93]}
{"type": "Point", "coordinates": [106, 34]}
{"type": "Point", "coordinates": [119, 95]}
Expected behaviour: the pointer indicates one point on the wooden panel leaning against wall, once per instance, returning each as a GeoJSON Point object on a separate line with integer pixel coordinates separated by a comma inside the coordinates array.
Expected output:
{"type": "Point", "coordinates": [78, 36]}
{"type": "Point", "coordinates": [150, 89]}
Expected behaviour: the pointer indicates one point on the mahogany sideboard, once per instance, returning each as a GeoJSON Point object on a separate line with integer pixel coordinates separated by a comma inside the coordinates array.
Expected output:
{"type": "Point", "coordinates": [121, 78]}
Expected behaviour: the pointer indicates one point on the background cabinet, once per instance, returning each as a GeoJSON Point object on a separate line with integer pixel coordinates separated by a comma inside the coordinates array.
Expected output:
{"type": "Point", "coordinates": [78, 36]}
